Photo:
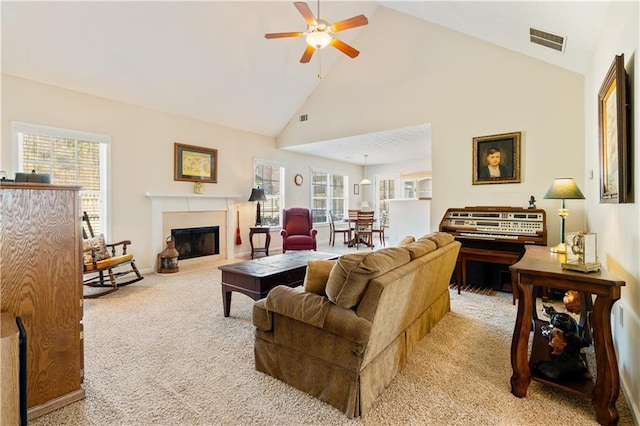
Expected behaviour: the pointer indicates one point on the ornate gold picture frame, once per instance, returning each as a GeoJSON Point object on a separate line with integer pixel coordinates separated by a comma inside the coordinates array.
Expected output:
{"type": "Point", "coordinates": [613, 111]}
{"type": "Point", "coordinates": [195, 163]}
{"type": "Point", "coordinates": [496, 158]}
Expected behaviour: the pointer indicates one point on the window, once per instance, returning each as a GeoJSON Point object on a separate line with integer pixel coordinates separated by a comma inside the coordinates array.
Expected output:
{"type": "Point", "coordinates": [328, 195]}
{"type": "Point", "coordinates": [269, 176]}
{"type": "Point", "coordinates": [71, 158]}
{"type": "Point", "coordinates": [386, 192]}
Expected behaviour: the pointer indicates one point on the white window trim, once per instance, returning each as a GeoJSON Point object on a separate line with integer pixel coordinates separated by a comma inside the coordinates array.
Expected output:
{"type": "Point", "coordinates": [347, 192]}
{"type": "Point", "coordinates": [273, 163]}
{"type": "Point", "coordinates": [105, 172]}
{"type": "Point", "coordinates": [376, 185]}
{"type": "Point", "coordinates": [267, 162]}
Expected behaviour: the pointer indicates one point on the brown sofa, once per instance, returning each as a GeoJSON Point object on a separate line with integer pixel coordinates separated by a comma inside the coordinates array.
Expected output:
{"type": "Point", "coordinates": [345, 334]}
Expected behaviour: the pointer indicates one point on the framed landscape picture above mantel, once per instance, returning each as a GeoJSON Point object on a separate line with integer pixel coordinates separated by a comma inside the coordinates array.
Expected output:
{"type": "Point", "coordinates": [613, 111]}
{"type": "Point", "coordinates": [496, 159]}
{"type": "Point", "coordinates": [195, 163]}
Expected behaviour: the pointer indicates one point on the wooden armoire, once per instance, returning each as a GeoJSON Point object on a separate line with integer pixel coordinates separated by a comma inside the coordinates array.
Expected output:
{"type": "Point", "coordinates": [41, 282]}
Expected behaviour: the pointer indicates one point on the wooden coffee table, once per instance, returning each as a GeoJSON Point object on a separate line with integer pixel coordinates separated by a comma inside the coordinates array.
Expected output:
{"type": "Point", "coordinates": [257, 277]}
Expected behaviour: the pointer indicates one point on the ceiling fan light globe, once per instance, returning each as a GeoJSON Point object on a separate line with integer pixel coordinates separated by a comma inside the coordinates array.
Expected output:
{"type": "Point", "coordinates": [318, 39]}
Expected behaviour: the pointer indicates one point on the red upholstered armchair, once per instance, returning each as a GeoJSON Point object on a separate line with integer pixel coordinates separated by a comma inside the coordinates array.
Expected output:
{"type": "Point", "coordinates": [297, 230]}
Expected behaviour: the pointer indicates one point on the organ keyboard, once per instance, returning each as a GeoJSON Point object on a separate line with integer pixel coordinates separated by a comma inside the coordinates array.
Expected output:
{"type": "Point", "coordinates": [493, 234]}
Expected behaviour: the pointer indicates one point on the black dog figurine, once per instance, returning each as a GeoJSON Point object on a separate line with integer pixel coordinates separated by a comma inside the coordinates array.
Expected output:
{"type": "Point", "coordinates": [564, 322]}
{"type": "Point", "coordinates": [563, 334]}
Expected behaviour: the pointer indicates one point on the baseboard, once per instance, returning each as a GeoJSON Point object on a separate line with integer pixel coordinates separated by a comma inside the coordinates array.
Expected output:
{"type": "Point", "coordinates": [631, 402]}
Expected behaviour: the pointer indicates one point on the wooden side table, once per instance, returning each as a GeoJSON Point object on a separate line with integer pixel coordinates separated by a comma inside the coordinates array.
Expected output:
{"type": "Point", "coordinates": [260, 230]}
{"type": "Point", "coordinates": [541, 268]}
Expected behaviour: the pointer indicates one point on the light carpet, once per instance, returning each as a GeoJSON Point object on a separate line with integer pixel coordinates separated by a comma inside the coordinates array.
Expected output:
{"type": "Point", "coordinates": [160, 352]}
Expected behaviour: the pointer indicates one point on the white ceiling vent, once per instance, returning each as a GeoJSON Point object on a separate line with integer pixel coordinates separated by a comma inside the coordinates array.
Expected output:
{"type": "Point", "coordinates": [549, 40]}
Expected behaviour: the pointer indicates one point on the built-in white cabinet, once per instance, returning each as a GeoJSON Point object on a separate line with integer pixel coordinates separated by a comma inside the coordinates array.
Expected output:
{"type": "Point", "coordinates": [415, 185]}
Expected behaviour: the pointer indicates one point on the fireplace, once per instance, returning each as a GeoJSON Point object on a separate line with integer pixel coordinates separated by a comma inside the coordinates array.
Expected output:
{"type": "Point", "coordinates": [178, 211]}
{"type": "Point", "coordinates": [197, 242]}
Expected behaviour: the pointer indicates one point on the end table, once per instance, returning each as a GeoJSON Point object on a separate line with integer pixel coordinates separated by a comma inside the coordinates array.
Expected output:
{"type": "Point", "coordinates": [260, 230]}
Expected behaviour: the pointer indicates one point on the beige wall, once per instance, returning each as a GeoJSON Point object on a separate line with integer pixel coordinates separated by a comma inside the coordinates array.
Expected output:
{"type": "Point", "coordinates": [142, 156]}
{"type": "Point", "coordinates": [418, 73]}
{"type": "Point", "coordinates": [412, 72]}
{"type": "Point", "coordinates": [618, 226]}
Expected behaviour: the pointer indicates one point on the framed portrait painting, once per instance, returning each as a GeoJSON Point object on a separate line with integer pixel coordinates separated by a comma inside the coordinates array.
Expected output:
{"type": "Point", "coordinates": [613, 108]}
{"type": "Point", "coordinates": [195, 164]}
{"type": "Point", "coordinates": [496, 158]}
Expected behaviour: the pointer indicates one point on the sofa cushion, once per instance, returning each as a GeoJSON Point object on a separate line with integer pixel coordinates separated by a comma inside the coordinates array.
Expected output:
{"type": "Point", "coordinates": [440, 238]}
{"type": "Point", "coordinates": [420, 248]}
{"type": "Point", "coordinates": [98, 243]}
{"type": "Point", "coordinates": [317, 275]}
{"type": "Point", "coordinates": [406, 240]}
{"type": "Point", "coordinates": [350, 275]}
{"type": "Point", "coordinates": [109, 262]}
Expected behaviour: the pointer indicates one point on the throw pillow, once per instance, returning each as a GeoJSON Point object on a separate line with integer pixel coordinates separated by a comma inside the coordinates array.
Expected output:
{"type": "Point", "coordinates": [98, 243]}
{"type": "Point", "coordinates": [440, 238]}
{"type": "Point", "coordinates": [350, 275]}
{"type": "Point", "coordinates": [420, 248]}
{"type": "Point", "coordinates": [317, 275]}
{"type": "Point", "coordinates": [406, 240]}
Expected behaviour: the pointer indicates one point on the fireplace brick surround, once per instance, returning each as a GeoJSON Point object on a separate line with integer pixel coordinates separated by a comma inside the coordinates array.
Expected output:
{"type": "Point", "coordinates": [170, 210]}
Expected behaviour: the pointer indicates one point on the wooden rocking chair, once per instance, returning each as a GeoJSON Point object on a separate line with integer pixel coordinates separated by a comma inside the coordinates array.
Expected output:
{"type": "Point", "coordinates": [99, 257]}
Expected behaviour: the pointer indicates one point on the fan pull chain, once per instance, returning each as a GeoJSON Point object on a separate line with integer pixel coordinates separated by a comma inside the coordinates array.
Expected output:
{"type": "Point", "coordinates": [319, 53]}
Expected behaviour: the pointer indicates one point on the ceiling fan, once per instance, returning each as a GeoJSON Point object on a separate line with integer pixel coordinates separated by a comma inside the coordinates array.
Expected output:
{"type": "Point", "coordinates": [318, 33]}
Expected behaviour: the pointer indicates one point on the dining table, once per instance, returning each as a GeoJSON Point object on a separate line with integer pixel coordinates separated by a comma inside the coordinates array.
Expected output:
{"type": "Point", "coordinates": [352, 223]}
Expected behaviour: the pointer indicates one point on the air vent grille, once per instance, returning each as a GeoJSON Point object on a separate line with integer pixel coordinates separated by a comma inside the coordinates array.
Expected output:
{"type": "Point", "coordinates": [549, 40]}
{"type": "Point", "coordinates": [304, 117]}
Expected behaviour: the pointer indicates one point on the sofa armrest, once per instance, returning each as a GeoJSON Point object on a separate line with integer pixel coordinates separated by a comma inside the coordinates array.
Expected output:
{"type": "Point", "coordinates": [261, 317]}
{"type": "Point", "coordinates": [295, 303]}
{"type": "Point", "coordinates": [317, 311]}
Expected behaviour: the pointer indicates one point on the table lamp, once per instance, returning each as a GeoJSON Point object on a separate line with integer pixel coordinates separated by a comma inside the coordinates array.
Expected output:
{"type": "Point", "coordinates": [563, 189]}
{"type": "Point", "coordinates": [257, 194]}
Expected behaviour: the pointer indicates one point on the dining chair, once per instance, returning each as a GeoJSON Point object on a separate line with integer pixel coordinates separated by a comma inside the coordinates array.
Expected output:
{"type": "Point", "coordinates": [352, 218]}
{"type": "Point", "coordinates": [364, 229]}
{"type": "Point", "coordinates": [333, 230]}
{"type": "Point", "coordinates": [380, 229]}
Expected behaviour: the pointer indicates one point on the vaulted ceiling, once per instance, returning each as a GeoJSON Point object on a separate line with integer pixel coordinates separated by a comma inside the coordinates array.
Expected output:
{"type": "Point", "coordinates": [210, 60]}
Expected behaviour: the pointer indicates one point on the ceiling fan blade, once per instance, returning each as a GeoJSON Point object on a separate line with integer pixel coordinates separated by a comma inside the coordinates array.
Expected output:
{"type": "Point", "coordinates": [344, 48]}
{"type": "Point", "coordinates": [282, 35]}
{"type": "Point", "coordinates": [356, 21]}
{"type": "Point", "coordinates": [306, 56]}
{"type": "Point", "coordinates": [306, 12]}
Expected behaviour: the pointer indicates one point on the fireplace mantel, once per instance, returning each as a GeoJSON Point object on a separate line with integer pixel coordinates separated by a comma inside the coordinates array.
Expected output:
{"type": "Point", "coordinates": [186, 202]}
{"type": "Point", "coordinates": [187, 195]}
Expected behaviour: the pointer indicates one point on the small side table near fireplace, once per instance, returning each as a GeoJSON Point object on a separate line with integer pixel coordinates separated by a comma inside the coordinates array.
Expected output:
{"type": "Point", "coordinates": [260, 230]}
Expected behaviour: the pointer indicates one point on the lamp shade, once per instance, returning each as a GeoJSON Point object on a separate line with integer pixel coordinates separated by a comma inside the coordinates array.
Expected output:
{"type": "Point", "coordinates": [365, 180]}
{"type": "Point", "coordinates": [565, 189]}
{"type": "Point", "coordinates": [257, 194]}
